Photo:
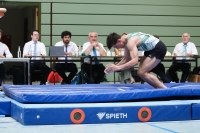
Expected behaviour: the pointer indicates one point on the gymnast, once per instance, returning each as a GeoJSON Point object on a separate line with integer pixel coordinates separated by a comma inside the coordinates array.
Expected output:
{"type": "Point", "coordinates": [154, 48]}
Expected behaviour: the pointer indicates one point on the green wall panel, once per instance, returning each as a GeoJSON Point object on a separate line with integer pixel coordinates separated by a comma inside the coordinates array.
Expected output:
{"type": "Point", "coordinates": [45, 29]}
{"type": "Point", "coordinates": [105, 30]}
{"type": "Point", "coordinates": [46, 40]}
{"type": "Point", "coordinates": [45, 18]}
{"type": "Point", "coordinates": [145, 2]}
{"type": "Point", "coordinates": [124, 9]}
{"type": "Point", "coordinates": [124, 20]}
{"type": "Point", "coordinates": [46, 8]}
{"type": "Point", "coordinates": [56, 39]}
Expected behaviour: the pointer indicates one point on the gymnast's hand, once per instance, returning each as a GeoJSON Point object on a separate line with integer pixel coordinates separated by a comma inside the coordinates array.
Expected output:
{"type": "Point", "coordinates": [111, 68]}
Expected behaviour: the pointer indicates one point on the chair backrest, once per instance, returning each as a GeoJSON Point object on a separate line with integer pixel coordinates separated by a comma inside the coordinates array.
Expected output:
{"type": "Point", "coordinates": [196, 70]}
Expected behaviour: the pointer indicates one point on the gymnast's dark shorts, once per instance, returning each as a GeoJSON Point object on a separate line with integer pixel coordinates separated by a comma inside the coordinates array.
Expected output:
{"type": "Point", "coordinates": [159, 51]}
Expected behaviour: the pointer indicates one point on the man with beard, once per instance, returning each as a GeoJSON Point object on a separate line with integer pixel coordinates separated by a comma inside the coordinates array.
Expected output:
{"type": "Point", "coordinates": [69, 48]}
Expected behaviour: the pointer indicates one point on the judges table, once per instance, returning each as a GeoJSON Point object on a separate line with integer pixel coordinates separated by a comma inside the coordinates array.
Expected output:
{"type": "Point", "coordinates": [115, 59]}
{"type": "Point", "coordinates": [25, 60]}
{"type": "Point", "coordinates": [166, 59]}
{"type": "Point", "coordinates": [109, 59]}
{"type": "Point", "coordinates": [50, 59]}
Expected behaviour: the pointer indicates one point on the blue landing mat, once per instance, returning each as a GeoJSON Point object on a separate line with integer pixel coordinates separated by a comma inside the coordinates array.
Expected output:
{"type": "Point", "coordinates": [195, 108]}
{"type": "Point", "coordinates": [91, 113]}
{"type": "Point", "coordinates": [97, 93]}
{"type": "Point", "coordinates": [4, 105]}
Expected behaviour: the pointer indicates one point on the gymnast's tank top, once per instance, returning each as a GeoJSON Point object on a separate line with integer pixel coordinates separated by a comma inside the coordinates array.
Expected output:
{"type": "Point", "coordinates": [148, 41]}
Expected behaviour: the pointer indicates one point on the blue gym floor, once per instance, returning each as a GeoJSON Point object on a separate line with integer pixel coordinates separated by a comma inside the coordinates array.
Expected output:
{"type": "Point", "coordinates": [9, 125]}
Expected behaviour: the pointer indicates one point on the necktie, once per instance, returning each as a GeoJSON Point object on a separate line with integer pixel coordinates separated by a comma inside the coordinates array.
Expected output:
{"type": "Point", "coordinates": [35, 49]}
{"type": "Point", "coordinates": [95, 54]}
{"type": "Point", "coordinates": [185, 51]}
{"type": "Point", "coordinates": [66, 55]}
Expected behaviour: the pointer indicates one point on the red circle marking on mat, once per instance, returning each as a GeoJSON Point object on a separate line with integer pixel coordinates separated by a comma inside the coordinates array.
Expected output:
{"type": "Point", "coordinates": [140, 114]}
{"type": "Point", "coordinates": [77, 111]}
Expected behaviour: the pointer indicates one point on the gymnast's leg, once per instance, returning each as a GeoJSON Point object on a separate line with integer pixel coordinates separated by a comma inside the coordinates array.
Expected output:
{"type": "Point", "coordinates": [145, 67]}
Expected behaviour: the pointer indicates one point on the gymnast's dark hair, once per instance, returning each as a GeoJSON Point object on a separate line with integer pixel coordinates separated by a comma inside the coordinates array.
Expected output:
{"type": "Point", "coordinates": [66, 33]}
{"type": "Point", "coordinates": [112, 39]}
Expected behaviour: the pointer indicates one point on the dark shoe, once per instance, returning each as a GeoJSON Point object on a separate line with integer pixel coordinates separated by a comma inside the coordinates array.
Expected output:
{"type": "Point", "coordinates": [42, 83]}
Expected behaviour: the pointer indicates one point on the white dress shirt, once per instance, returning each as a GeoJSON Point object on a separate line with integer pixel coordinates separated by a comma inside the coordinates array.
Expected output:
{"type": "Point", "coordinates": [180, 51]}
{"type": "Point", "coordinates": [40, 49]}
{"type": "Point", "coordinates": [85, 46]}
{"type": "Point", "coordinates": [5, 50]}
{"type": "Point", "coordinates": [71, 47]}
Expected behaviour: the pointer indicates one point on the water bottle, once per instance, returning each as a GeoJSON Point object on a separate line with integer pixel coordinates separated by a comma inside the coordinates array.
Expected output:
{"type": "Point", "coordinates": [79, 50]}
{"type": "Point", "coordinates": [122, 52]}
{"type": "Point", "coordinates": [119, 52]}
{"type": "Point", "coordinates": [19, 52]}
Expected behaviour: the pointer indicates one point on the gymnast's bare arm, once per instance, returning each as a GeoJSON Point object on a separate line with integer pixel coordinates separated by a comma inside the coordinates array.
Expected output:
{"type": "Point", "coordinates": [131, 57]}
{"type": "Point", "coordinates": [131, 53]}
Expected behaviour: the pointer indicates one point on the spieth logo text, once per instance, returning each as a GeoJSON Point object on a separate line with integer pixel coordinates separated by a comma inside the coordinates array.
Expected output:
{"type": "Point", "coordinates": [101, 115]}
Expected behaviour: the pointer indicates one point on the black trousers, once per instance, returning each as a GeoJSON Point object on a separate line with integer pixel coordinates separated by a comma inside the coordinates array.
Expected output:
{"type": "Point", "coordinates": [160, 71]}
{"type": "Point", "coordinates": [184, 67]}
{"type": "Point", "coordinates": [97, 68]}
{"type": "Point", "coordinates": [61, 68]}
{"type": "Point", "coordinates": [45, 70]}
{"type": "Point", "coordinates": [2, 73]}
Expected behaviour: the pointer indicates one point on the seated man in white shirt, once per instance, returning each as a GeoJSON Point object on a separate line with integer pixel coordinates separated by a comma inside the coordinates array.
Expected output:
{"type": "Point", "coordinates": [94, 48]}
{"type": "Point", "coordinates": [4, 50]}
{"type": "Point", "coordinates": [185, 48]}
{"type": "Point", "coordinates": [69, 48]}
{"type": "Point", "coordinates": [37, 48]}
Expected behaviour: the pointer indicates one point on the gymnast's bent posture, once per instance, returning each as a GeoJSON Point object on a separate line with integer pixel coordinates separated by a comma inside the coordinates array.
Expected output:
{"type": "Point", "coordinates": [154, 48]}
